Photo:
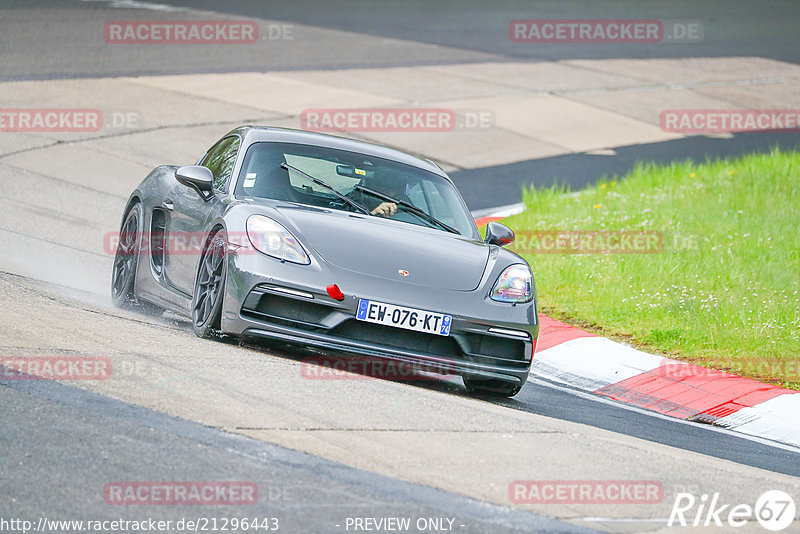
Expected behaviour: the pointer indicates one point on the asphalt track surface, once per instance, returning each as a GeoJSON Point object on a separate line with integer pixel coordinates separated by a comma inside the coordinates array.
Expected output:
{"type": "Point", "coordinates": [469, 30]}
{"type": "Point", "coordinates": [462, 32]}
{"type": "Point", "coordinates": [58, 462]}
{"type": "Point", "coordinates": [60, 443]}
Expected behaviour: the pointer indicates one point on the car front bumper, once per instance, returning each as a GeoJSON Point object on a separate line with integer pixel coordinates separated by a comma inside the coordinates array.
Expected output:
{"type": "Point", "coordinates": [286, 302]}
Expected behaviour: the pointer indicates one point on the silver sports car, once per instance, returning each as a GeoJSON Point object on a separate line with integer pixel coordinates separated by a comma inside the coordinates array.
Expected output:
{"type": "Point", "coordinates": [334, 244]}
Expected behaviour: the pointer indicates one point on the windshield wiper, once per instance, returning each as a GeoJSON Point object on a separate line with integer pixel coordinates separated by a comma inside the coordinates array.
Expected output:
{"type": "Point", "coordinates": [409, 207]}
{"type": "Point", "coordinates": [330, 188]}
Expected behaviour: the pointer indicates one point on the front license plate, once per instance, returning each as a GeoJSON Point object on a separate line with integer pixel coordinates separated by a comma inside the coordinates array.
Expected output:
{"type": "Point", "coordinates": [402, 317]}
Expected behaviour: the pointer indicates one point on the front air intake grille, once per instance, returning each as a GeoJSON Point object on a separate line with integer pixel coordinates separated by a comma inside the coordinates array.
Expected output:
{"type": "Point", "coordinates": [496, 347]}
{"type": "Point", "coordinates": [394, 337]}
{"type": "Point", "coordinates": [288, 309]}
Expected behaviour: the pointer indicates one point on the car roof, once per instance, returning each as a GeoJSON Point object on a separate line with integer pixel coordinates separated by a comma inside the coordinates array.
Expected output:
{"type": "Point", "coordinates": [255, 134]}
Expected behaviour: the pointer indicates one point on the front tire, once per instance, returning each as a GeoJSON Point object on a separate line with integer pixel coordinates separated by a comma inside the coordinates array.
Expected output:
{"type": "Point", "coordinates": [209, 288]}
{"type": "Point", "coordinates": [126, 262]}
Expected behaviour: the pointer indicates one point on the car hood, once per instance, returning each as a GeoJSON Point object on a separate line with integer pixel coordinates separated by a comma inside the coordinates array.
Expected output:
{"type": "Point", "coordinates": [387, 249]}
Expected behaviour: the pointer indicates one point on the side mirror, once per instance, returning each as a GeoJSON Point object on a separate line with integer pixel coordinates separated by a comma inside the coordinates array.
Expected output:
{"type": "Point", "coordinates": [499, 234]}
{"type": "Point", "coordinates": [198, 178]}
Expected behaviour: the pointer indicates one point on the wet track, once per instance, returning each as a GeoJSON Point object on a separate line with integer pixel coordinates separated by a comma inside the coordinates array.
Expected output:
{"type": "Point", "coordinates": [181, 408]}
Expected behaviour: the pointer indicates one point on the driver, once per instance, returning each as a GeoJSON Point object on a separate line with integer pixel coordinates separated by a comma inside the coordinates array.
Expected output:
{"type": "Point", "coordinates": [387, 181]}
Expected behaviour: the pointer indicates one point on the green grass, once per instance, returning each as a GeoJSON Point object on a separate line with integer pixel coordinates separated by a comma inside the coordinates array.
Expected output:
{"type": "Point", "coordinates": [723, 292]}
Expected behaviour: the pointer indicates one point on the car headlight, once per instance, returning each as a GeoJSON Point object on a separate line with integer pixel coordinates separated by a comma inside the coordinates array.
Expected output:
{"type": "Point", "coordinates": [274, 240]}
{"type": "Point", "coordinates": [513, 285]}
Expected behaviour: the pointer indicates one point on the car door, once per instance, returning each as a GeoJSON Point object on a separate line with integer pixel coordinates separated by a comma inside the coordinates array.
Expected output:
{"type": "Point", "coordinates": [188, 214]}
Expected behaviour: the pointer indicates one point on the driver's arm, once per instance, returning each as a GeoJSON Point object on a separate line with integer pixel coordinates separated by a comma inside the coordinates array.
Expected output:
{"type": "Point", "coordinates": [385, 209]}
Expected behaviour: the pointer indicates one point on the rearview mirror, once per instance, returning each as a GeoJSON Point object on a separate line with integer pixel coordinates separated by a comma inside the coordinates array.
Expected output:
{"type": "Point", "coordinates": [198, 178]}
{"type": "Point", "coordinates": [499, 234]}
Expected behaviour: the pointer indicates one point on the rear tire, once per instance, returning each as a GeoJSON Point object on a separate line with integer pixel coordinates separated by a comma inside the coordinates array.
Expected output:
{"type": "Point", "coordinates": [491, 387]}
{"type": "Point", "coordinates": [209, 288]}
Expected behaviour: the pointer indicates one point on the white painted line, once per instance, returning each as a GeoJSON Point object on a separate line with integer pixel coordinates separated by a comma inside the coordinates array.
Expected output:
{"type": "Point", "coordinates": [136, 4]}
{"type": "Point", "coordinates": [499, 211]}
{"type": "Point", "coordinates": [664, 520]}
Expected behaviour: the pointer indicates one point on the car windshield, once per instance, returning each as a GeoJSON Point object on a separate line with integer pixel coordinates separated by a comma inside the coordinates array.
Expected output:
{"type": "Point", "coordinates": [321, 177]}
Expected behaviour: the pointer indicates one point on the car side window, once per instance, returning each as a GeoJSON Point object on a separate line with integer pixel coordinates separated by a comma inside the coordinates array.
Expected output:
{"type": "Point", "coordinates": [221, 159]}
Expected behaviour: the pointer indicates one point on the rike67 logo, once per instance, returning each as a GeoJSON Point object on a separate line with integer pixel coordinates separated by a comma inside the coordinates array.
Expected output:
{"type": "Point", "coordinates": [774, 510]}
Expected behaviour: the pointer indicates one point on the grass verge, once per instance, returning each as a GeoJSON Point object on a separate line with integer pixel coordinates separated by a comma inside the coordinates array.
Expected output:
{"type": "Point", "coordinates": [721, 288]}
